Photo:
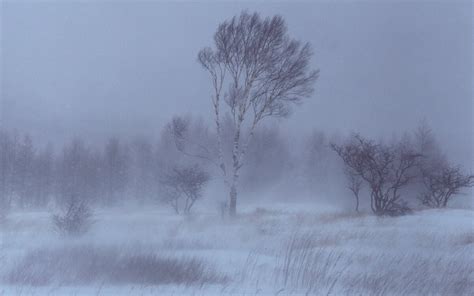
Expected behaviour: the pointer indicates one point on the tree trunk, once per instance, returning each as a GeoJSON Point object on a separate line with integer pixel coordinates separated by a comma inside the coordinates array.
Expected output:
{"type": "Point", "coordinates": [236, 155]}
{"type": "Point", "coordinates": [233, 201]}
{"type": "Point", "coordinates": [357, 204]}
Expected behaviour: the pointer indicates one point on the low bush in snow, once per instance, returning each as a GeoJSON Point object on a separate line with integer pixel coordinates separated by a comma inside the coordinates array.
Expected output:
{"type": "Point", "coordinates": [75, 218]}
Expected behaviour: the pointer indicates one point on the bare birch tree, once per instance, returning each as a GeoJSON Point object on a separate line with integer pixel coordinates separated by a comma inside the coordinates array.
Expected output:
{"type": "Point", "coordinates": [257, 71]}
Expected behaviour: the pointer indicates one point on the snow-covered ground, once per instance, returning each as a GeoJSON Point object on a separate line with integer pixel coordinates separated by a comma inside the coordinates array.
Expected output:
{"type": "Point", "coordinates": [280, 249]}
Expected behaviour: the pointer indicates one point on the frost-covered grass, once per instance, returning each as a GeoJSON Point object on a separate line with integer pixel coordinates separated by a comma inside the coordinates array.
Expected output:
{"type": "Point", "coordinates": [272, 250]}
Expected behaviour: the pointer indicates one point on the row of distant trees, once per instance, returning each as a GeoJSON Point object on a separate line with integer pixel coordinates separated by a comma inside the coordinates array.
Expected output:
{"type": "Point", "coordinates": [31, 176]}
{"type": "Point", "coordinates": [141, 169]}
{"type": "Point", "coordinates": [389, 175]}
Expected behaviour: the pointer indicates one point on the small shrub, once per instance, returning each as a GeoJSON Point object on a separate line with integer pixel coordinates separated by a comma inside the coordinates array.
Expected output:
{"type": "Point", "coordinates": [443, 184]}
{"type": "Point", "coordinates": [75, 218]}
{"type": "Point", "coordinates": [399, 209]}
{"type": "Point", "coordinates": [184, 186]}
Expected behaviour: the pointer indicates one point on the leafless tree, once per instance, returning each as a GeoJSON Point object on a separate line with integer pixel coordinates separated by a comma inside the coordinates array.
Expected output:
{"type": "Point", "coordinates": [78, 173]}
{"type": "Point", "coordinates": [143, 169]}
{"type": "Point", "coordinates": [320, 166]}
{"type": "Point", "coordinates": [443, 184]}
{"type": "Point", "coordinates": [115, 169]}
{"type": "Point", "coordinates": [261, 169]}
{"type": "Point", "coordinates": [385, 168]}
{"type": "Point", "coordinates": [191, 139]}
{"type": "Point", "coordinates": [441, 181]}
{"type": "Point", "coordinates": [23, 172]}
{"type": "Point", "coordinates": [43, 172]}
{"type": "Point", "coordinates": [426, 144]}
{"type": "Point", "coordinates": [257, 71]}
{"type": "Point", "coordinates": [184, 186]}
{"type": "Point", "coordinates": [8, 151]}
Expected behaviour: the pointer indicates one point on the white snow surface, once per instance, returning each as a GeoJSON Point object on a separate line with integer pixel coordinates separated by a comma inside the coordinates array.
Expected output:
{"type": "Point", "coordinates": [428, 253]}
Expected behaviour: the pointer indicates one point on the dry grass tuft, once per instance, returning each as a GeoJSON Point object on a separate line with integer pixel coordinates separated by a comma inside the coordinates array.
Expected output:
{"type": "Point", "coordinates": [87, 264]}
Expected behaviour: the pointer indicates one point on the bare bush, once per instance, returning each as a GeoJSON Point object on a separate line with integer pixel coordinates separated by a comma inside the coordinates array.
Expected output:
{"type": "Point", "coordinates": [441, 181]}
{"type": "Point", "coordinates": [442, 185]}
{"type": "Point", "coordinates": [184, 186]}
{"type": "Point", "coordinates": [75, 218]}
{"type": "Point", "coordinates": [386, 169]}
{"type": "Point", "coordinates": [87, 264]}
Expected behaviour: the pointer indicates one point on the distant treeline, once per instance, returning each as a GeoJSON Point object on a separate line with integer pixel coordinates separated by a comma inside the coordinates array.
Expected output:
{"type": "Point", "coordinates": [134, 169]}
{"type": "Point", "coordinates": [122, 169]}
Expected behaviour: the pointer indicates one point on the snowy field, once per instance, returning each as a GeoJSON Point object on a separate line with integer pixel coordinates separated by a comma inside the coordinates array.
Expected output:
{"type": "Point", "coordinates": [265, 251]}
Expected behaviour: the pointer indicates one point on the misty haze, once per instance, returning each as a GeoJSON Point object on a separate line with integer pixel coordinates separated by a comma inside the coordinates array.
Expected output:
{"type": "Point", "coordinates": [216, 148]}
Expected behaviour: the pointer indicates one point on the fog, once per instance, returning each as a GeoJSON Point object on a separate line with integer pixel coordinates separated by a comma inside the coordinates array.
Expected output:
{"type": "Point", "coordinates": [167, 148]}
{"type": "Point", "coordinates": [126, 68]}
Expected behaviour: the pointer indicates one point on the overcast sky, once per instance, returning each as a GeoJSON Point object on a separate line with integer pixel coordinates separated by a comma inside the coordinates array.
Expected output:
{"type": "Point", "coordinates": [98, 68]}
